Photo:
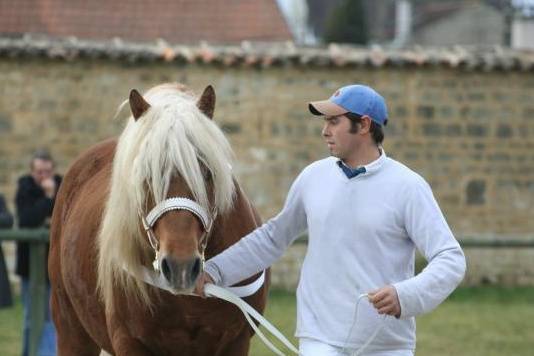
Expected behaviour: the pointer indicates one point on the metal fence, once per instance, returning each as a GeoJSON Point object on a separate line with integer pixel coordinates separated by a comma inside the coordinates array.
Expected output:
{"type": "Point", "coordinates": [496, 241]}
{"type": "Point", "coordinates": [37, 239]}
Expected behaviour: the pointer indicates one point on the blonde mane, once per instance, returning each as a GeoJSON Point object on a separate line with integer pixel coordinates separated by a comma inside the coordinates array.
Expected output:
{"type": "Point", "coordinates": [171, 138]}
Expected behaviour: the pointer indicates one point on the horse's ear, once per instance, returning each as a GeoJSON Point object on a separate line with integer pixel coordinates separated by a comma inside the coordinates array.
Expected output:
{"type": "Point", "coordinates": [206, 103]}
{"type": "Point", "coordinates": [138, 105]}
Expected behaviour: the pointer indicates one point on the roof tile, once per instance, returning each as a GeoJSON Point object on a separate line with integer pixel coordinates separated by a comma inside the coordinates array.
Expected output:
{"type": "Point", "coordinates": [185, 21]}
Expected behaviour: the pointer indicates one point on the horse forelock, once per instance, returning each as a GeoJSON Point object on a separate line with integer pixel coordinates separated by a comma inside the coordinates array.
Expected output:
{"type": "Point", "coordinates": [171, 138]}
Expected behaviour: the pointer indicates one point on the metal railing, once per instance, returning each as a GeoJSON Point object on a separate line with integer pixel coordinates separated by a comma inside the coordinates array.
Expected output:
{"type": "Point", "coordinates": [476, 242]}
{"type": "Point", "coordinates": [37, 239]}
{"type": "Point", "coordinates": [496, 242]}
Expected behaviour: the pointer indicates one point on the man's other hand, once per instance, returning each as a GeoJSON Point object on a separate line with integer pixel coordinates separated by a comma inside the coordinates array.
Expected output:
{"type": "Point", "coordinates": [386, 301]}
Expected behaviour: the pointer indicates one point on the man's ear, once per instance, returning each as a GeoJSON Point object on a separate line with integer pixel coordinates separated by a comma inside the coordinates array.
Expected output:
{"type": "Point", "coordinates": [365, 124]}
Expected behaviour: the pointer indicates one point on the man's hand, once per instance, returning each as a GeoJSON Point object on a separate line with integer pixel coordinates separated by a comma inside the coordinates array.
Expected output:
{"type": "Point", "coordinates": [386, 301]}
{"type": "Point", "coordinates": [49, 187]}
{"type": "Point", "coordinates": [201, 281]}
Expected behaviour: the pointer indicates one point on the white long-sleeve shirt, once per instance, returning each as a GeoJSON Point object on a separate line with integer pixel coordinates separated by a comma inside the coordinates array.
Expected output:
{"type": "Point", "coordinates": [362, 235]}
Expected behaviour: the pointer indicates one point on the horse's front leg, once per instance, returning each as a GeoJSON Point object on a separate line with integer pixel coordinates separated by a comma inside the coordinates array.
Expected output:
{"type": "Point", "coordinates": [237, 347]}
{"type": "Point", "coordinates": [72, 339]}
{"type": "Point", "coordinates": [123, 342]}
{"type": "Point", "coordinates": [126, 345]}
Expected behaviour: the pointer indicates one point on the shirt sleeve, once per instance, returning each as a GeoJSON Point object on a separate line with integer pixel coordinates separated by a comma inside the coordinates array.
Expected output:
{"type": "Point", "coordinates": [263, 246]}
{"type": "Point", "coordinates": [426, 226]}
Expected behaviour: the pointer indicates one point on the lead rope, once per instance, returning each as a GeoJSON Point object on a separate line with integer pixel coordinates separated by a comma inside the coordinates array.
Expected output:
{"type": "Point", "coordinates": [212, 290]}
{"type": "Point", "coordinates": [249, 313]}
{"type": "Point", "coordinates": [373, 335]}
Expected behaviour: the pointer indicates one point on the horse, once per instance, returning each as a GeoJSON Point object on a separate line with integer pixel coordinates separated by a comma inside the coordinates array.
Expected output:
{"type": "Point", "coordinates": [102, 244]}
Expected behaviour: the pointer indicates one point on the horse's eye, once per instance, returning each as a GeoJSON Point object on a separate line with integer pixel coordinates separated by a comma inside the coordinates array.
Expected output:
{"type": "Point", "coordinates": [206, 173]}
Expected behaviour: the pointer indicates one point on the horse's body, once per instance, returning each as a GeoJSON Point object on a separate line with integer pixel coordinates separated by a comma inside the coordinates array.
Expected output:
{"type": "Point", "coordinates": [125, 324]}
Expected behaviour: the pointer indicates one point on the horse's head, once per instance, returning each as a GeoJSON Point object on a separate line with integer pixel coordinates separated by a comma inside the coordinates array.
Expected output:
{"type": "Point", "coordinates": [178, 227]}
{"type": "Point", "coordinates": [171, 174]}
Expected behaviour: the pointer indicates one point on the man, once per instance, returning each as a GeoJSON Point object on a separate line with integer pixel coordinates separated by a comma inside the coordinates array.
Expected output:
{"type": "Point", "coordinates": [35, 198]}
{"type": "Point", "coordinates": [365, 214]}
{"type": "Point", "coordinates": [6, 222]}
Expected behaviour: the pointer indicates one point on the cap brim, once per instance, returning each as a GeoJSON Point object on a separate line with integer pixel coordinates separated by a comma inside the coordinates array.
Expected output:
{"type": "Point", "coordinates": [326, 108]}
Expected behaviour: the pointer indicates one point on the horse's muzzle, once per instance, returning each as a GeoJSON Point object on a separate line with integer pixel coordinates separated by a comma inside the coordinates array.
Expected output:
{"type": "Point", "coordinates": [181, 274]}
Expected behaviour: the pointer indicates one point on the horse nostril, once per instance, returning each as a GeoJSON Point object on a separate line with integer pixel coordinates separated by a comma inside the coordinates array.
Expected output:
{"type": "Point", "coordinates": [165, 269]}
{"type": "Point", "coordinates": [179, 272]}
{"type": "Point", "coordinates": [195, 271]}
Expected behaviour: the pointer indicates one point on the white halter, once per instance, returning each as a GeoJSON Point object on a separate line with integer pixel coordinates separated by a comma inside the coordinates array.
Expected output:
{"type": "Point", "coordinates": [154, 278]}
{"type": "Point", "coordinates": [177, 203]}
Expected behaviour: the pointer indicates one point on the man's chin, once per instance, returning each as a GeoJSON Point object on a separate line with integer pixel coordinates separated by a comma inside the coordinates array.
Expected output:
{"type": "Point", "coordinates": [334, 153]}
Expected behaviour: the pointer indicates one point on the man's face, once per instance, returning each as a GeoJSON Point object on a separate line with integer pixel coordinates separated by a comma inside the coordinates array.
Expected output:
{"type": "Point", "coordinates": [340, 141]}
{"type": "Point", "coordinates": [41, 170]}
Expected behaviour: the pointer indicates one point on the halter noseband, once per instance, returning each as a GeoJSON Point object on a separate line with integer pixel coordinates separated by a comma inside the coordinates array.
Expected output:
{"type": "Point", "coordinates": [177, 203]}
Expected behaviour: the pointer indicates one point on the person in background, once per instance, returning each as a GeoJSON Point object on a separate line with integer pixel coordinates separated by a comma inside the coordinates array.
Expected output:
{"type": "Point", "coordinates": [34, 200]}
{"type": "Point", "coordinates": [6, 222]}
{"type": "Point", "coordinates": [365, 214]}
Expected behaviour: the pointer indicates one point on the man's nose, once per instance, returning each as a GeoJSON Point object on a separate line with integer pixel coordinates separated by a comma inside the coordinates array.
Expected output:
{"type": "Point", "coordinates": [326, 131]}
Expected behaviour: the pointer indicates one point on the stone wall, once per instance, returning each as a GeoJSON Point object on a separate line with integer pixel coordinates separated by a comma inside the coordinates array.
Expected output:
{"type": "Point", "coordinates": [469, 133]}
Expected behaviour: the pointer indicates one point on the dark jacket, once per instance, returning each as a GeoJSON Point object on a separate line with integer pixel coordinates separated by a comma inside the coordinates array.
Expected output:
{"type": "Point", "coordinates": [33, 210]}
{"type": "Point", "coordinates": [6, 219]}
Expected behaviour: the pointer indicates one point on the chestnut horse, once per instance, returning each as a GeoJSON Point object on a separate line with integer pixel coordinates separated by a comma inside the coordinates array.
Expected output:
{"type": "Point", "coordinates": [100, 251]}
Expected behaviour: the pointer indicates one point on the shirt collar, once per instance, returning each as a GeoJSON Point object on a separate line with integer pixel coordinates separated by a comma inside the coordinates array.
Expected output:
{"type": "Point", "coordinates": [366, 169]}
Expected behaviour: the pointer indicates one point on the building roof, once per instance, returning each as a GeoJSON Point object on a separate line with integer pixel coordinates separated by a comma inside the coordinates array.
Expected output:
{"type": "Point", "coordinates": [176, 21]}
{"type": "Point", "coordinates": [265, 55]}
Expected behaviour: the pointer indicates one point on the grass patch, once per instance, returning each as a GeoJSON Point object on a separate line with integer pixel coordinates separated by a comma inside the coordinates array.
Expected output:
{"type": "Point", "coordinates": [493, 294]}
{"type": "Point", "coordinates": [11, 329]}
{"type": "Point", "coordinates": [482, 321]}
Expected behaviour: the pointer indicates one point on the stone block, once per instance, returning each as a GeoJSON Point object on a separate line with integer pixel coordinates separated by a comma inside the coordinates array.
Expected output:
{"type": "Point", "coordinates": [477, 130]}
{"type": "Point", "coordinates": [432, 129]}
{"type": "Point", "coordinates": [475, 192]}
{"type": "Point", "coordinates": [426, 112]}
{"type": "Point", "coordinates": [504, 131]}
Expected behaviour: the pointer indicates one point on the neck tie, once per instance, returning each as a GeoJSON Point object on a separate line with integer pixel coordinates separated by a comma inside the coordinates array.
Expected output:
{"type": "Point", "coordinates": [351, 173]}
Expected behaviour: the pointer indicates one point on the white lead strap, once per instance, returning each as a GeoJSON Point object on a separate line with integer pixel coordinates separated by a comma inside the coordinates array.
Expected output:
{"type": "Point", "coordinates": [248, 311]}
{"type": "Point", "coordinates": [157, 280]}
{"type": "Point", "coordinates": [373, 335]}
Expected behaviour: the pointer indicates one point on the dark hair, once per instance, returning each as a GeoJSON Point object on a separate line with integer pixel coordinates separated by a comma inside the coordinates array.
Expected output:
{"type": "Point", "coordinates": [42, 154]}
{"type": "Point", "coordinates": [376, 130]}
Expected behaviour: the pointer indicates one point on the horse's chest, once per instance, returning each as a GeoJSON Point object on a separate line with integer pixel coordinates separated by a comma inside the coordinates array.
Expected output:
{"type": "Point", "coordinates": [191, 327]}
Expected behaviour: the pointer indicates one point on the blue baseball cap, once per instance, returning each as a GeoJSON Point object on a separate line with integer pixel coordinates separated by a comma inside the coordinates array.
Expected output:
{"type": "Point", "coordinates": [358, 99]}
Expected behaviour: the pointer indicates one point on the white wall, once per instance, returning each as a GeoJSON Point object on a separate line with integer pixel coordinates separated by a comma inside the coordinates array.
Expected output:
{"type": "Point", "coordinates": [523, 33]}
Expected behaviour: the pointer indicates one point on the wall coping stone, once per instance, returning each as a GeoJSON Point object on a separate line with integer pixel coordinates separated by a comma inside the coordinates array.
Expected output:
{"type": "Point", "coordinates": [265, 55]}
